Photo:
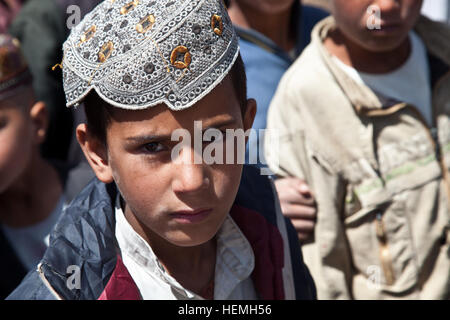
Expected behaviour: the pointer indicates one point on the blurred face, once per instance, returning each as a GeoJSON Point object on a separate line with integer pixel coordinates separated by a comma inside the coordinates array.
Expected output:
{"type": "Point", "coordinates": [376, 26]}
{"type": "Point", "coordinates": [16, 142]}
{"type": "Point", "coordinates": [267, 6]}
{"type": "Point", "coordinates": [175, 199]}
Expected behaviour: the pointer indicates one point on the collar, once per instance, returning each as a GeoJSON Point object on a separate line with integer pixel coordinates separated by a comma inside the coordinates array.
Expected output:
{"type": "Point", "coordinates": [361, 96]}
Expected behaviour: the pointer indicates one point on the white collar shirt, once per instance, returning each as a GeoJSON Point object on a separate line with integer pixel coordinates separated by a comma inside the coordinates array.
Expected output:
{"type": "Point", "coordinates": [234, 264]}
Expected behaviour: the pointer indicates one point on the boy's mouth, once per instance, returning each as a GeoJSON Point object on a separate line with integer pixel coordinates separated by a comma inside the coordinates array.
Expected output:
{"type": "Point", "coordinates": [191, 216]}
{"type": "Point", "coordinates": [388, 27]}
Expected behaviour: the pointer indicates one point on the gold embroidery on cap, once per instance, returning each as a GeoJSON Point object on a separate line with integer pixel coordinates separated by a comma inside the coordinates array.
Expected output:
{"type": "Point", "coordinates": [217, 24]}
{"type": "Point", "coordinates": [88, 34]}
{"type": "Point", "coordinates": [180, 50]}
{"type": "Point", "coordinates": [161, 55]}
{"type": "Point", "coordinates": [58, 65]}
{"type": "Point", "coordinates": [145, 24]}
{"type": "Point", "coordinates": [182, 76]}
{"type": "Point", "coordinates": [129, 6]}
{"type": "Point", "coordinates": [105, 51]}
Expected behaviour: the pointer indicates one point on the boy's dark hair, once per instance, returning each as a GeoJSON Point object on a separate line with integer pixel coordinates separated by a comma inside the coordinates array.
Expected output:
{"type": "Point", "coordinates": [98, 112]}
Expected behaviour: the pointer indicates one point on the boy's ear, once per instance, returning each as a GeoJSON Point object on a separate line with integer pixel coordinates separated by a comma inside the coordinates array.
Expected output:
{"type": "Point", "coordinates": [39, 118]}
{"type": "Point", "coordinates": [96, 153]}
{"type": "Point", "coordinates": [250, 113]}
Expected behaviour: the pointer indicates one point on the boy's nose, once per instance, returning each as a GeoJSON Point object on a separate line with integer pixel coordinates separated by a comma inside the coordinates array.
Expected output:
{"type": "Point", "coordinates": [388, 5]}
{"type": "Point", "coordinates": [190, 176]}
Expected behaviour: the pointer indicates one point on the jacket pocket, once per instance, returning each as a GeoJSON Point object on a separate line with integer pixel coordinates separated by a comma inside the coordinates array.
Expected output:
{"type": "Point", "coordinates": [380, 239]}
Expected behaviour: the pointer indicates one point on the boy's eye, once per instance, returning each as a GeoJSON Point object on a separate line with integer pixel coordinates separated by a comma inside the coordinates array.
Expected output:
{"type": "Point", "coordinates": [154, 147]}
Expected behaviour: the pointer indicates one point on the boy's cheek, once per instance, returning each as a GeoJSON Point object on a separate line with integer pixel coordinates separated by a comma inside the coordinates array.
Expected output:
{"type": "Point", "coordinates": [148, 185]}
{"type": "Point", "coordinates": [13, 160]}
{"type": "Point", "coordinates": [227, 178]}
{"type": "Point", "coordinates": [139, 183]}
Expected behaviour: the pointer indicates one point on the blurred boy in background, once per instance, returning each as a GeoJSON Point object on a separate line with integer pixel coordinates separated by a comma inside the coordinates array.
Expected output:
{"type": "Point", "coordinates": [364, 118]}
{"type": "Point", "coordinates": [272, 35]}
{"type": "Point", "coordinates": [41, 27]}
{"type": "Point", "coordinates": [31, 189]}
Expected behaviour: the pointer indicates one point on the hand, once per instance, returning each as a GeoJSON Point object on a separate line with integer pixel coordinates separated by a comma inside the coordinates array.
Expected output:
{"type": "Point", "coordinates": [298, 204]}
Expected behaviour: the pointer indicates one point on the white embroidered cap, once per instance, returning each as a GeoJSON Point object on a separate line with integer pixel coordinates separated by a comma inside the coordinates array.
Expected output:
{"type": "Point", "coordinates": [138, 54]}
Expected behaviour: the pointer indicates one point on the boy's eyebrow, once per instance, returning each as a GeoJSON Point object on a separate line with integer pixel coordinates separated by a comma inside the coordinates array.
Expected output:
{"type": "Point", "coordinates": [220, 124]}
{"type": "Point", "coordinates": [148, 137]}
{"type": "Point", "coordinates": [145, 138]}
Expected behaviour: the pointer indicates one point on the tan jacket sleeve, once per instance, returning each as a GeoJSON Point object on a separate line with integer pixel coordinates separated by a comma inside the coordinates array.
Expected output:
{"type": "Point", "coordinates": [328, 257]}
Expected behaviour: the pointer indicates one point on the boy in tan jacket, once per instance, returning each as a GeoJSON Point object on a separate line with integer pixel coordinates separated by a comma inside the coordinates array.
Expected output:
{"type": "Point", "coordinates": [363, 116]}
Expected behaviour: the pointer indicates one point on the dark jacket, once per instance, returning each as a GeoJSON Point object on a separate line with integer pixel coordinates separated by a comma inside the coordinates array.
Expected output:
{"type": "Point", "coordinates": [85, 237]}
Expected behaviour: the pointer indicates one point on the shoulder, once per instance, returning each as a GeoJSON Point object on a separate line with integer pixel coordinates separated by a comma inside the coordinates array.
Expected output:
{"type": "Point", "coordinates": [436, 37]}
{"type": "Point", "coordinates": [310, 79]}
{"type": "Point", "coordinates": [84, 235]}
{"type": "Point", "coordinates": [309, 69]}
{"type": "Point", "coordinates": [307, 82]}
{"type": "Point", "coordinates": [87, 219]}
{"type": "Point", "coordinates": [94, 196]}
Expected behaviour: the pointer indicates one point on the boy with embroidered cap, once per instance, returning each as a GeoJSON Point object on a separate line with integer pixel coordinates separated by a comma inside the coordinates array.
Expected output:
{"type": "Point", "coordinates": [157, 224]}
{"type": "Point", "coordinates": [364, 117]}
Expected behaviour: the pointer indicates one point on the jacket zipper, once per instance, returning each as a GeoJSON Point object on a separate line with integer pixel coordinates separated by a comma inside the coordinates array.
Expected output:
{"type": "Point", "coordinates": [385, 257]}
{"type": "Point", "coordinates": [46, 283]}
